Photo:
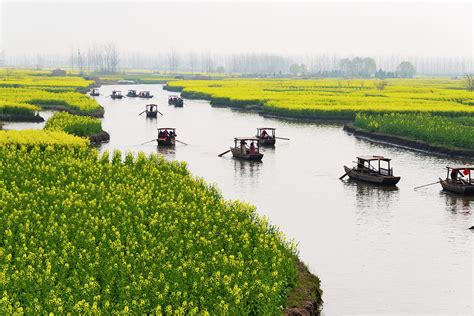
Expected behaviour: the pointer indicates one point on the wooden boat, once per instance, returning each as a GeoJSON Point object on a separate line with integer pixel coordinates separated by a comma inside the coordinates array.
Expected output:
{"type": "Point", "coordinates": [264, 137]}
{"type": "Point", "coordinates": [94, 92]}
{"type": "Point", "coordinates": [175, 100]}
{"type": "Point", "coordinates": [132, 93]}
{"type": "Point", "coordinates": [458, 180]}
{"type": "Point", "coordinates": [366, 171]}
{"type": "Point", "coordinates": [242, 151]}
{"type": "Point", "coordinates": [145, 94]}
{"type": "Point", "coordinates": [116, 94]}
{"type": "Point", "coordinates": [151, 110]}
{"type": "Point", "coordinates": [166, 136]}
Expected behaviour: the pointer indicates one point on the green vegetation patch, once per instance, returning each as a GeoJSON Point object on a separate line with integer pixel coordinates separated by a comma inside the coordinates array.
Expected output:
{"type": "Point", "coordinates": [42, 138]}
{"type": "Point", "coordinates": [74, 102]}
{"type": "Point", "coordinates": [85, 233]}
{"type": "Point", "coordinates": [335, 98]}
{"type": "Point", "coordinates": [433, 129]}
{"type": "Point", "coordinates": [74, 124]}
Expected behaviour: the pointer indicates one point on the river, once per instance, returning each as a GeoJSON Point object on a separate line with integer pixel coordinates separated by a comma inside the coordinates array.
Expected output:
{"type": "Point", "coordinates": [377, 250]}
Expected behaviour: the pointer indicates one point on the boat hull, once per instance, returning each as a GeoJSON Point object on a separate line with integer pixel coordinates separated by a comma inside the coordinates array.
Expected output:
{"type": "Point", "coordinates": [457, 188]}
{"type": "Point", "coordinates": [237, 153]}
{"type": "Point", "coordinates": [94, 94]}
{"type": "Point", "coordinates": [151, 114]}
{"type": "Point", "coordinates": [371, 178]}
{"type": "Point", "coordinates": [166, 143]}
{"type": "Point", "coordinates": [116, 97]}
{"type": "Point", "coordinates": [267, 141]}
{"type": "Point", "coordinates": [149, 97]}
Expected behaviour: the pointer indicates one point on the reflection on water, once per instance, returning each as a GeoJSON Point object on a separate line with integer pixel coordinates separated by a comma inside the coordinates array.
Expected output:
{"type": "Point", "coordinates": [168, 152]}
{"type": "Point", "coordinates": [458, 203]}
{"type": "Point", "coordinates": [248, 170]}
{"type": "Point", "coordinates": [28, 125]}
{"type": "Point", "coordinates": [377, 250]}
{"type": "Point", "coordinates": [371, 195]}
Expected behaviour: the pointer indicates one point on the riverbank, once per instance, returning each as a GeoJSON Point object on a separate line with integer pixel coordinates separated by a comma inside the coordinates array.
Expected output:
{"type": "Point", "coordinates": [99, 138]}
{"type": "Point", "coordinates": [306, 297]}
{"type": "Point", "coordinates": [21, 118]}
{"type": "Point", "coordinates": [408, 143]}
{"type": "Point", "coordinates": [98, 113]}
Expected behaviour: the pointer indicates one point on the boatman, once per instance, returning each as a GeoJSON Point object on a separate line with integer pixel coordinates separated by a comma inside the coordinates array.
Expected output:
{"type": "Point", "coordinates": [454, 175]}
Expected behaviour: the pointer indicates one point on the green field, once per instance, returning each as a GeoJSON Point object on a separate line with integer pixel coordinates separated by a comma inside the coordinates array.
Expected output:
{"type": "Point", "coordinates": [335, 99]}
{"type": "Point", "coordinates": [74, 124]}
{"type": "Point", "coordinates": [23, 93]}
{"type": "Point", "coordinates": [42, 138]}
{"type": "Point", "coordinates": [433, 129]}
{"type": "Point", "coordinates": [84, 233]}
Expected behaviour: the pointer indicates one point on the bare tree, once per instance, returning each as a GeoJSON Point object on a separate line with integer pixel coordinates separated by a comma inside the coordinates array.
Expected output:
{"type": "Point", "coordinates": [469, 82]}
{"type": "Point", "coordinates": [173, 60]}
{"type": "Point", "coordinates": [381, 84]}
{"type": "Point", "coordinates": [39, 61]}
{"type": "Point", "coordinates": [192, 60]}
{"type": "Point", "coordinates": [2, 58]}
{"type": "Point", "coordinates": [71, 58]}
{"type": "Point", "coordinates": [80, 62]}
{"type": "Point", "coordinates": [9, 73]}
{"type": "Point", "coordinates": [113, 58]}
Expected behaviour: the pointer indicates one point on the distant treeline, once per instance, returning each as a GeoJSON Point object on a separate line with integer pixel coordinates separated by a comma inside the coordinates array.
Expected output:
{"type": "Point", "coordinates": [105, 58]}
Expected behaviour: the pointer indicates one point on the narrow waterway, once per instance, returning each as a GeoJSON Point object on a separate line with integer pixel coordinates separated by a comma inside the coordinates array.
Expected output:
{"type": "Point", "coordinates": [377, 250]}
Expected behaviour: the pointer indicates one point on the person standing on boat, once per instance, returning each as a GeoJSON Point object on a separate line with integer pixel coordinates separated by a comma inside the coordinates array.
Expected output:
{"type": "Point", "coordinates": [264, 134]}
{"type": "Point", "coordinates": [243, 147]}
{"type": "Point", "coordinates": [454, 175]}
{"type": "Point", "coordinates": [252, 148]}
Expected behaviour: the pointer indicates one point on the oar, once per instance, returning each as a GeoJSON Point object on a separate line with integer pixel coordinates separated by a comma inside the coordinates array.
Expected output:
{"type": "Point", "coordinates": [150, 141]}
{"type": "Point", "coordinates": [282, 138]}
{"type": "Point", "coordinates": [421, 186]}
{"type": "Point", "coordinates": [181, 142]}
{"type": "Point", "coordinates": [159, 112]}
{"type": "Point", "coordinates": [142, 112]}
{"type": "Point", "coordinates": [345, 174]}
{"type": "Point", "coordinates": [225, 152]}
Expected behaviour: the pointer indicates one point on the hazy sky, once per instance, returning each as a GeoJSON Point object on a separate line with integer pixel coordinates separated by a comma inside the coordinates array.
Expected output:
{"type": "Point", "coordinates": [354, 28]}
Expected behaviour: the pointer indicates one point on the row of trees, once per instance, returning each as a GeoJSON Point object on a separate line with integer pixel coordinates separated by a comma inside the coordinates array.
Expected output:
{"type": "Point", "coordinates": [99, 58]}
{"type": "Point", "coordinates": [358, 67]}
{"type": "Point", "coordinates": [104, 58]}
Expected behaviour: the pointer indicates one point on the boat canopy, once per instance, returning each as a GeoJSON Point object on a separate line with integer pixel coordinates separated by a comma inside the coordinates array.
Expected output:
{"type": "Point", "coordinates": [163, 128]}
{"type": "Point", "coordinates": [131, 90]}
{"type": "Point", "coordinates": [460, 168]}
{"type": "Point", "coordinates": [372, 158]}
{"type": "Point", "coordinates": [269, 128]}
{"type": "Point", "coordinates": [246, 138]}
{"type": "Point", "coordinates": [151, 105]}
